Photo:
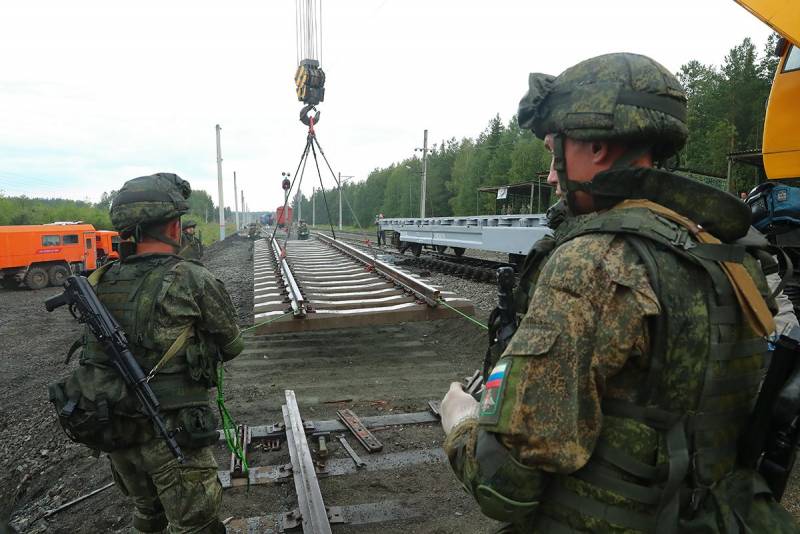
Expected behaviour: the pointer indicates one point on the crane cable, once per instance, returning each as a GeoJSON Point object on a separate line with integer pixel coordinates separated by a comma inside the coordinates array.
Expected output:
{"type": "Point", "coordinates": [308, 28]}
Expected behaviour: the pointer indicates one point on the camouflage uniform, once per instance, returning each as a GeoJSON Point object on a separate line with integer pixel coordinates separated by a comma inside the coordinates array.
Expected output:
{"type": "Point", "coordinates": [159, 298]}
{"type": "Point", "coordinates": [186, 495]}
{"type": "Point", "coordinates": [617, 405]}
{"type": "Point", "coordinates": [191, 247]}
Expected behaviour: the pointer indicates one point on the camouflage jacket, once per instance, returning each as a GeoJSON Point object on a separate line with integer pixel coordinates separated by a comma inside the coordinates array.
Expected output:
{"type": "Point", "coordinates": [191, 247]}
{"type": "Point", "coordinates": [546, 422]}
{"type": "Point", "coordinates": [155, 298]}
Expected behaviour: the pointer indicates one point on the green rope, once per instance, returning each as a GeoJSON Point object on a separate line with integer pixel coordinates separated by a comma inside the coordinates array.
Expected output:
{"type": "Point", "coordinates": [477, 322]}
{"type": "Point", "coordinates": [265, 322]}
{"type": "Point", "coordinates": [228, 424]}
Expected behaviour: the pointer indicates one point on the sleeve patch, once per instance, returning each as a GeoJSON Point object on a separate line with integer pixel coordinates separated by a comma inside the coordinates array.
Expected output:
{"type": "Point", "coordinates": [490, 400]}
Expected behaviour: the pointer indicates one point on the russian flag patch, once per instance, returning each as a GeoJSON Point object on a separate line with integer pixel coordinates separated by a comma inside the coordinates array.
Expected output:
{"type": "Point", "coordinates": [490, 400]}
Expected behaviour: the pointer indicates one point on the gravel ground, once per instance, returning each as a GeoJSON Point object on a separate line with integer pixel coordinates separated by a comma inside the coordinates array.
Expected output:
{"type": "Point", "coordinates": [232, 262]}
{"type": "Point", "coordinates": [39, 467]}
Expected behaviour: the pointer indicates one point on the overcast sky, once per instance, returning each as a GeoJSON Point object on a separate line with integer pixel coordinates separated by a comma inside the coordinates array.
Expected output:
{"type": "Point", "coordinates": [93, 94]}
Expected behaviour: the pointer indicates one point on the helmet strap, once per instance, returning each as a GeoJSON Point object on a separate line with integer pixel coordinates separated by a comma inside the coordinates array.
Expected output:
{"type": "Point", "coordinates": [570, 187]}
{"type": "Point", "coordinates": [158, 236]}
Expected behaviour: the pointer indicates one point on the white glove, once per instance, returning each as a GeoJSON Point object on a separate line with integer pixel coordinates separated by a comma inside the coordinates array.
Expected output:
{"type": "Point", "coordinates": [457, 406]}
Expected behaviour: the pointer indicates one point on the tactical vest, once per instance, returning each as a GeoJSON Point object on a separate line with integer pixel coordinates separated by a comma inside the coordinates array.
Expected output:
{"type": "Point", "coordinates": [667, 453]}
{"type": "Point", "coordinates": [130, 291]}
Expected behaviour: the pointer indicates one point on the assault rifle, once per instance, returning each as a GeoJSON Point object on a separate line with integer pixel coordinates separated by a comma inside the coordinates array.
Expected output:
{"type": "Point", "coordinates": [770, 441]}
{"type": "Point", "coordinates": [87, 308]}
{"type": "Point", "coordinates": [502, 321]}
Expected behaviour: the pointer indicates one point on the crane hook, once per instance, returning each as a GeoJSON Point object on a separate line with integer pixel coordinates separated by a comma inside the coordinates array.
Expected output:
{"type": "Point", "coordinates": [305, 118]}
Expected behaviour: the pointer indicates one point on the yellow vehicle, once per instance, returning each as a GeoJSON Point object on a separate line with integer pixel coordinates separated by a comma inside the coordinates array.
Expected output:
{"type": "Point", "coordinates": [781, 143]}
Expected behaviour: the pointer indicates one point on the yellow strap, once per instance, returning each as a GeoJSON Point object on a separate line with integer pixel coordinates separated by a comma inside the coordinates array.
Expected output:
{"type": "Point", "coordinates": [95, 277]}
{"type": "Point", "coordinates": [173, 349]}
{"type": "Point", "coordinates": [754, 308]}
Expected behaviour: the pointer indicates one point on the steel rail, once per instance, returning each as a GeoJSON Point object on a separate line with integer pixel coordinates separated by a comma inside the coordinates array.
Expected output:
{"type": "Point", "coordinates": [309, 497]}
{"type": "Point", "coordinates": [430, 295]}
{"type": "Point", "coordinates": [295, 296]}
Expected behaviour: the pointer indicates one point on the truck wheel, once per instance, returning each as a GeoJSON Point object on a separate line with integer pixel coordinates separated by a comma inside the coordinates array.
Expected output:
{"type": "Point", "coordinates": [441, 248]}
{"type": "Point", "coordinates": [416, 249]}
{"type": "Point", "coordinates": [458, 251]}
{"type": "Point", "coordinates": [8, 282]}
{"type": "Point", "coordinates": [36, 278]}
{"type": "Point", "coordinates": [57, 274]}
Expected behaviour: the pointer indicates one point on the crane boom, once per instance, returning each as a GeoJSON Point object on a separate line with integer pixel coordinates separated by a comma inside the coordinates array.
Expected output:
{"type": "Point", "coordinates": [781, 143]}
{"type": "Point", "coordinates": [783, 16]}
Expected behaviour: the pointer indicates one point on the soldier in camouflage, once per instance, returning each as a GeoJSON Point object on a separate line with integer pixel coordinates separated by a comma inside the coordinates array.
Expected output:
{"type": "Point", "coordinates": [617, 405]}
{"type": "Point", "coordinates": [180, 320]}
{"type": "Point", "coordinates": [191, 246]}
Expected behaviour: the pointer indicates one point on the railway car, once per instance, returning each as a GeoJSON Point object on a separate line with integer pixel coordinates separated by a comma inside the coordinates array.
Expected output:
{"type": "Point", "coordinates": [510, 234]}
{"type": "Point", "coordinates": [45, 254]}
{"type": "Point", "coordinates": [283, 219]}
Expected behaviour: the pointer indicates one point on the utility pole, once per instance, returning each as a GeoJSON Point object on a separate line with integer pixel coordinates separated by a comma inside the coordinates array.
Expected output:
{"type": "Point", "coordinates": [219, 181]}
{"type": "Point", "coordinates": [236, 201]}
{"type": "Point", "coordinates": [243, 200]}
{"type": "Point", "coordinates": [423, 186]}
{"type": "Point", "coordinates": [314, 207]}
{"type": "Point", "coordinates": [340, 197]}
{"type": "Point", "coordinates": [299, 206]}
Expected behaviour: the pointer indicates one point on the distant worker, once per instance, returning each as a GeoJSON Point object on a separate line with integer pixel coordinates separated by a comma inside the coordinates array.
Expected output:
{"type": "Point", "coordinates": [181, 325]}
{"type": "Point", "coordinates": [191, 246]}
{"type": "Point", "coordinates": [381, 232]}
{"type": "Point", "coordinates": [302, 230]}
{"type": "Point", "coordinates": [618, 403]}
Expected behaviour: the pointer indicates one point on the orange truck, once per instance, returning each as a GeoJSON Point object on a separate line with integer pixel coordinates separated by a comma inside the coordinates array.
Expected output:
{"type": "Point", "coordinates": [107, 246]}
{"type": "Point", "coordinates": [46, 254]}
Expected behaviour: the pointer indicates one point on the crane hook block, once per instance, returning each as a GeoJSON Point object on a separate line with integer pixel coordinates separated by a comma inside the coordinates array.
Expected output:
{"type": "Point", "coordinates": [309, 81]}
{"type": "Point", "coordinates": [305, 118]}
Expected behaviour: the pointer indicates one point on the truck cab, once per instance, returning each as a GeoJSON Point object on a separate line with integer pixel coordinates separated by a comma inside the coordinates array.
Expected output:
{"type": "Point", "coordinates": [45, 254]}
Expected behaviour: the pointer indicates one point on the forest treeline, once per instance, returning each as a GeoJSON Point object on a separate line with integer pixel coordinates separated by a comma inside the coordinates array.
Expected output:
{"type": "Point", "coordinates": [24, 210]}
{"type": "Point", "coordinates": [726, 113]}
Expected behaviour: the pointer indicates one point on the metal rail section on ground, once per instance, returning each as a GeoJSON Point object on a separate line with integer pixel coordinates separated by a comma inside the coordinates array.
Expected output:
{"type": "Point", "coordinates": [328, 284]}
{"type": "Point", "coordinates": [510, 234]}
{"type": "Point", "coordinates": [312, 516]}
{"type": "Point", "coordinates": [311, 507]}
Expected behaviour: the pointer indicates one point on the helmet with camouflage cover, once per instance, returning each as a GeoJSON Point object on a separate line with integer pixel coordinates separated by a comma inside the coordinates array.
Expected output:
{"type": "Point", "coordinates": [188, 224]}
{"type": "Point", "coordinates": [149, 200]}
{"type": "Point", "coordinates": [614, 96]}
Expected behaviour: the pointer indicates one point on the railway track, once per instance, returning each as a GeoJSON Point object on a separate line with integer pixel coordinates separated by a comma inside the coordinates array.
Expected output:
{"type": "Point", "coordinates": [324, 283]}
{"type": "Point", "coordinates": [337, 398]}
